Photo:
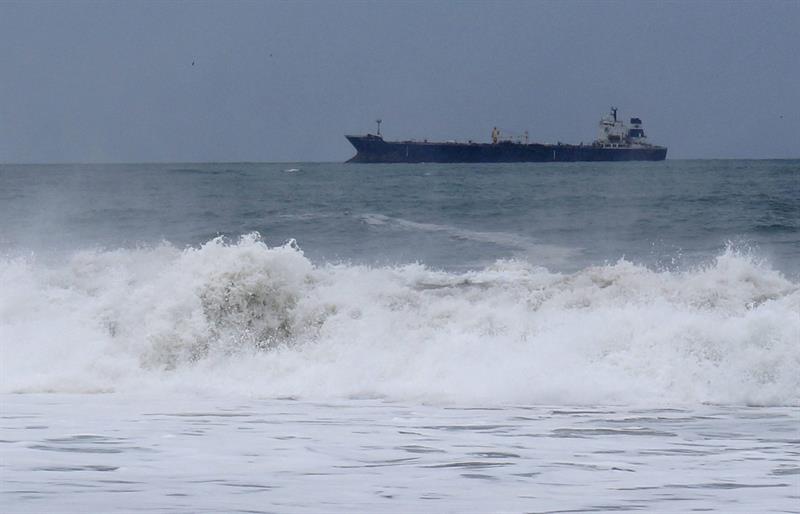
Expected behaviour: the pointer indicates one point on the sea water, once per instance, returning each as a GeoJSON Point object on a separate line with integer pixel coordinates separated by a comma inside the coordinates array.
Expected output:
{"type": "Point", "coordinates": [393, 338]}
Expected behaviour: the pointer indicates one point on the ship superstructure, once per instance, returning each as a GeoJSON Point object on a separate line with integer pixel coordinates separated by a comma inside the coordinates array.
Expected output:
{"type": "Point", "coordinates": [615, 134]}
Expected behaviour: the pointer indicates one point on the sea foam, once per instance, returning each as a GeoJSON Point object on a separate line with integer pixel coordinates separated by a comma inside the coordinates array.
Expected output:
{"type": "Point", "coordinates": [244, 318]}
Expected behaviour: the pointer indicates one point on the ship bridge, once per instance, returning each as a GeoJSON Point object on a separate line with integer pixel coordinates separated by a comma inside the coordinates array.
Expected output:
{"type": "Point", "coordinates": [615, 134]}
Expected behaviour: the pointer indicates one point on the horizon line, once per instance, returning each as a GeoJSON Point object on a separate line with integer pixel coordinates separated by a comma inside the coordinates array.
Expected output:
{"type": "Point", "coordinates": [55, 163]}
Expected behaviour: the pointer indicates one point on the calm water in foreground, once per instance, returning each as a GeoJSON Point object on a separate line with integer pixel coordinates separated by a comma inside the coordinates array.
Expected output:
{"type": "Point", "coordinates": [400, 338]}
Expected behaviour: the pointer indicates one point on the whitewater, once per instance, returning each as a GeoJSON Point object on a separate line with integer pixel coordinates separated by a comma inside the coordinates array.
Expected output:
{"type": "Point", "coordinates": [243, 317]}
{"type": "Point", "coordinates": [307, 338]}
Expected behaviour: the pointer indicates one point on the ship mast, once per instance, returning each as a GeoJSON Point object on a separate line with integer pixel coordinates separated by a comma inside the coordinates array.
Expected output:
{"type": "Point", "coordinates": [378, 121]}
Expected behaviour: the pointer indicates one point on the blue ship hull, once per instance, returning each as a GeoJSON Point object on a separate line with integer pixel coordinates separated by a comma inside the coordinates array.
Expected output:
{"type": "Point", "coordinates": [371, 148]}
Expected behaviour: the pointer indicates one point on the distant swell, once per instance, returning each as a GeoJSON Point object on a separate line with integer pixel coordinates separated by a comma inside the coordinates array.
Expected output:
{"type": "Point", "coordinates": [245, 318]}
{"type": "Point", "coordinates": [544, 253]}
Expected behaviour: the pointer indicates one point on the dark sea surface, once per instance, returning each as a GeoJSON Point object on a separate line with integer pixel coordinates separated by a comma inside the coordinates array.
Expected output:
{"type": "Point", "coordinates": [565, 215]}
{"type": "Point", "coordinates": [312, 337]}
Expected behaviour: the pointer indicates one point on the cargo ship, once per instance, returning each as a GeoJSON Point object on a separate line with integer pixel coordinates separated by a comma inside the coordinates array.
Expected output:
{"type": "Point", "coordinates": [617, 141]}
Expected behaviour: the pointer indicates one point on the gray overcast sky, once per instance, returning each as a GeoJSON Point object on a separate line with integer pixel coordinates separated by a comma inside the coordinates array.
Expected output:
{"type": "Point", "coordinates": [280, 81]}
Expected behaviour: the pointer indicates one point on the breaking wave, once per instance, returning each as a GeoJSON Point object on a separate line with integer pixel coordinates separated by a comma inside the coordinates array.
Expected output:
{"type": "Point", "coordinates": [245, 318]}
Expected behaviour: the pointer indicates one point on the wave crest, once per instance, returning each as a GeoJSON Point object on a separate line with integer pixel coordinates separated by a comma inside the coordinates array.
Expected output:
{"type": "Point", "coordinates": [243, 317]}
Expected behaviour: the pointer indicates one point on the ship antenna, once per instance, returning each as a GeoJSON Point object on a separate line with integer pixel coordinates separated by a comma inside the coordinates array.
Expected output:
{"type": "Point", "coordinates": [614, 113]}
{"type": "Point", "coordinates": [378, 121]}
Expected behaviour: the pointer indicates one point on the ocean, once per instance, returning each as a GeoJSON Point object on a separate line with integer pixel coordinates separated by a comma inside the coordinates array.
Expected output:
{"type": "Point", "coordinates": [320, 337]}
